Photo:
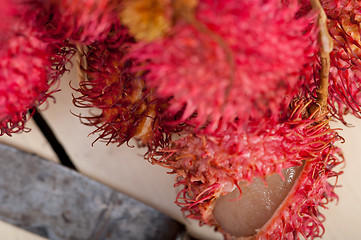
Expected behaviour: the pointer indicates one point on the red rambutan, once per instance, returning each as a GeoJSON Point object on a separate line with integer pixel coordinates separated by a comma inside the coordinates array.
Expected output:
{"type": "Point", "coordinates": [30, 63]}
{"type": "Point", "coordinates": [25, 68]}
{"type": "Point", "coordinates": [127, 107]}
{"type": "Point", "coordinates": [248, 69]}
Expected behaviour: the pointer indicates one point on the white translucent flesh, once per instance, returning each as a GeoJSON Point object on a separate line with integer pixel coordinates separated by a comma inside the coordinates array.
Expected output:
{"type": "Point", "coordinates": [242, 217]}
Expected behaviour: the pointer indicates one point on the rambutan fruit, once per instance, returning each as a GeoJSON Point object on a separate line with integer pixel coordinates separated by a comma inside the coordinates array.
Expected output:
{"type": "Point", "coordinates": [209, 167]}
{"type": "Point", "coordinates": [26, 71]}
{"type": "Point", "coordinates": [218, 67]}
{"type": "Point", "coordinates": [125, 107]}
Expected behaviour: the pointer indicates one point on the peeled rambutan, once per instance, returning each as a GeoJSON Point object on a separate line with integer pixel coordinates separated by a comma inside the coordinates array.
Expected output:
{"type": "Point", "coordinates": [299, 214]}
{"type": "Point", "coordinates": [293, 216]}
{"type": "Point", "coordinates": [209, 167]}
{"type": "Point", "coordinates": [239, 59]}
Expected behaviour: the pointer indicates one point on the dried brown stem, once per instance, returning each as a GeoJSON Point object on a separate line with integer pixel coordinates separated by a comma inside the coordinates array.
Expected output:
{"type": "Point", "coordinates": [326, 46]}
{"type": "Point", "coordinates": [81, 62]}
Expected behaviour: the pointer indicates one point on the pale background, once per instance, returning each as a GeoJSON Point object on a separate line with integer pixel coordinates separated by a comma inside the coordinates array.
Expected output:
{"type": "Point", "coordinates": [124, 169]}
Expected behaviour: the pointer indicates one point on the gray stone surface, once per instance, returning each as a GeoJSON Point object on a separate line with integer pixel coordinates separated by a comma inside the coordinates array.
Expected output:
{"type": "Point", "coordinates": [55, 202]}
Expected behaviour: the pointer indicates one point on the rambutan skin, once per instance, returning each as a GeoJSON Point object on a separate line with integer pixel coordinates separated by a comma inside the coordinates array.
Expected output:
{"type": "Point", "coordinates": [215, 72]}
{"type": "Point", "coordinates": [79, 21]}
{"type": "Point", "coordinates": [7, 11]}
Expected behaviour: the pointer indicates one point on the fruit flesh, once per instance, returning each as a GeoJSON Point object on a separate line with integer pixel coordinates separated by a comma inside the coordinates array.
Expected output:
{"type": "Point", "coordinates": [243, 217]}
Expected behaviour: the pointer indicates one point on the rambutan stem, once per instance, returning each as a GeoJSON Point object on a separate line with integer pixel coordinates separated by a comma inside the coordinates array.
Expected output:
{"type": "Point", "coordinates": [326, 47]}
{"type": "Point", "coordinates": [81, 62]}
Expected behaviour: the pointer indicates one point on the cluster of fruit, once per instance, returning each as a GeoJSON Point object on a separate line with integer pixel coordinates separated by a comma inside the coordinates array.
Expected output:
{"type": "Point", "coordinates": [220, 92]}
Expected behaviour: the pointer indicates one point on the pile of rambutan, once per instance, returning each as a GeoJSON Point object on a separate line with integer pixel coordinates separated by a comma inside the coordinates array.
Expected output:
{"type": "Point", "coordinates": [222, 93]}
